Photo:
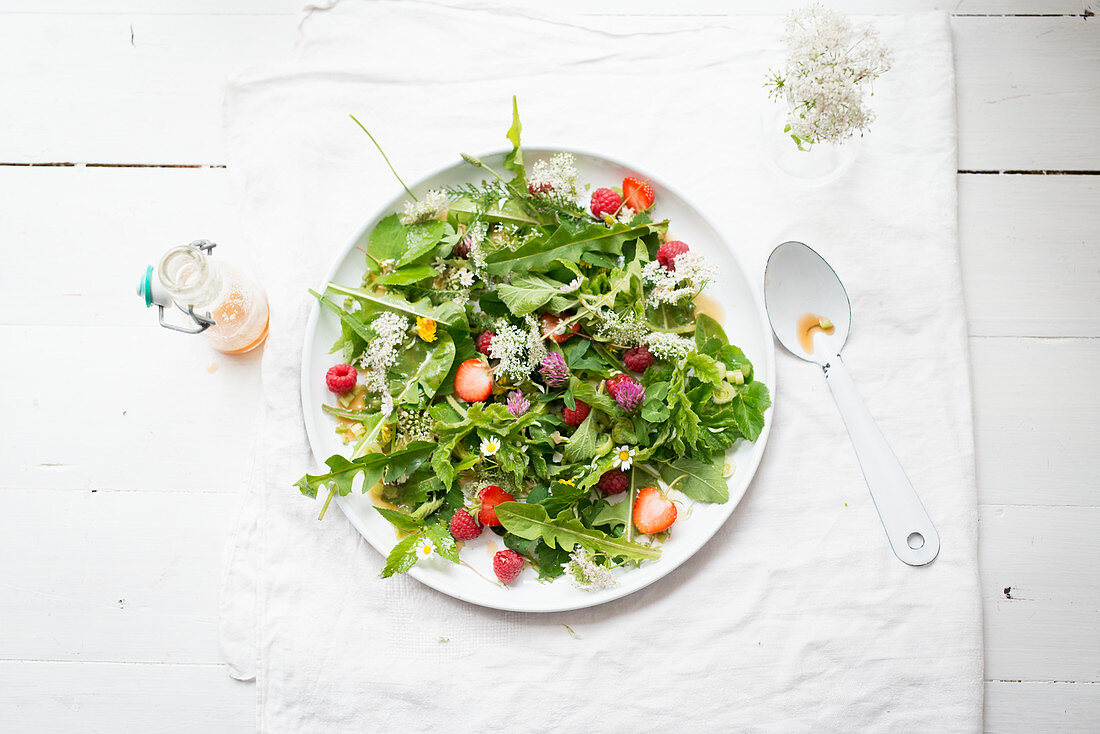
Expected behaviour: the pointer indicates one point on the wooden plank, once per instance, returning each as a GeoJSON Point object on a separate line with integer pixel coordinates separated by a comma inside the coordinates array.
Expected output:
{"type": "Point", "coordinates": [1041, 592]}
{"type": "Point", "coordinates": [129, 88]}
{"type": "Point", "coordinates": [110, 698]}
{"type": "Point", "coordinates": [616, 7]}
{"type": "Point", "coordinates": [121, 217]}
{"type": "Point", "coordinates": [1028, 87]}
{"type": "Point", "coordinates": [1028, 93]}
{"type": "Point", "coordinates": [113, 577]}
{"type": "Point", "coordinates": [137, 408]}
{"type": "Point", "coordinates": [1027, 708]}
{"type": "Point", "coordinates": [1036, 420]}
{"type": "Point", "coordinates": [1030, 248]}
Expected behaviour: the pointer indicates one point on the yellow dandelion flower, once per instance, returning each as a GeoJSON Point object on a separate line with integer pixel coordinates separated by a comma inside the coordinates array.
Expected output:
{"type": "Point", "coordinates": [425, 328]}
{"type": "Point", "coordinates": [567, 481]}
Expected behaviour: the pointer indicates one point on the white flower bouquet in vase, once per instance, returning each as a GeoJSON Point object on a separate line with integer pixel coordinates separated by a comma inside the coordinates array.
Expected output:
{"type": "Point", "coordinates": [822, 88]}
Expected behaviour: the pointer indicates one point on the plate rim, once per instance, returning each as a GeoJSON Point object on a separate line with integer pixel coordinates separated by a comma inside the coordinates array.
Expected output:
{"type": "Point", "coordinates": [593, 598]}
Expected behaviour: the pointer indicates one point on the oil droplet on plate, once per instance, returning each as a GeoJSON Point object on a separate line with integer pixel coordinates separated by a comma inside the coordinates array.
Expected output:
{"type": "Point", "coordinates": [807, 325]}
{"type": "Point", "coordinates": [212, 367]}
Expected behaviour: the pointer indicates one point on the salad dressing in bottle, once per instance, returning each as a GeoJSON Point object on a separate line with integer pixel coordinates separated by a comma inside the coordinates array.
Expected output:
{"type": "Point", "coordinates": [228, 308]}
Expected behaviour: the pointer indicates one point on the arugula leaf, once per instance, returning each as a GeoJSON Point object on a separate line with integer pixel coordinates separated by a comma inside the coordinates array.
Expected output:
{"type": "Point", "coordinates": [582, 444]}
{"type": "Point", "coordinates": [702, 481]}
{"type": "Point", "coordinates": [709, 335]}
{"type": "Point", "coordinates": [514, 160]}
{"type": "Point", "coordinates": [567, 532]}
{"type": "Point", "coordinates": [614, 516]}
{"type": "Point", "coordinates": [565, 245]}
{"type": "Point", "coordinates": [433, 363]}
{"type": "Point", "coordinates": [402, 557]}
{"type": "Point", "coordinates": [444, 315]}
{"type": "Point", "coordinates": [401, 521]}
{"type": "Point", "coordinates": [581, 390]}
{"type": "Point", "coordinates": [421, 239]}
{"type": "Point", "coordinates": [385, 242]}
{"type": "Point", "coordinates": [527, 292]}
{"type": "Point", "coordinates": [394, 466]}
{"type": "Point", "coordinates": [408, 275]}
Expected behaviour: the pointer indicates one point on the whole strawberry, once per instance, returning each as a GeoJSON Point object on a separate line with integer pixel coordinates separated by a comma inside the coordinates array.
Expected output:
{"type": "Point", "coordinates": [341, 379]}
{"type": "Point", "coordinates": [463, 526]}
{"type": "Point", "coordinates": [507, 564]}
{"type": "Point", "coordinates": [484, 341]}
{"type": "Point", "coordinates": [574, 417]}
{"type": "Point", "coordinates": [614, 482]}
{"type": "Point", "coordinates": [666, 253]}
{"type": "Point", "coordinates": [604, 201]}
{"type": "Point", "coordinates": [638, 359]}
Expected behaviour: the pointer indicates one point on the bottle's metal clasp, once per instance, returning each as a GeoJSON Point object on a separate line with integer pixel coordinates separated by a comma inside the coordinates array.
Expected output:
{"type": "Point", "coordinates": [154, 294]}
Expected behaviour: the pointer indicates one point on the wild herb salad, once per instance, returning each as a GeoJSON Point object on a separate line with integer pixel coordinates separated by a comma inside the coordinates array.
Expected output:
{"type": "Point", "coordinates": [526, 357]}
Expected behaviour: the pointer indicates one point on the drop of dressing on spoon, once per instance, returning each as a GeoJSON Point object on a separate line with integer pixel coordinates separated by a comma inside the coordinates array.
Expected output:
{"type": "Point", "coordinates": [807, 325]}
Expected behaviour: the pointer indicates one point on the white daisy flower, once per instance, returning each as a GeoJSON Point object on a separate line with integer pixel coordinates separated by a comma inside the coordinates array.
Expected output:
{"type": "Point", "coordinates": [624, 458]}
{"type": "Point", "coordinates": [425, 549]}
{"type": "Point", "coordinates": [490, 446]}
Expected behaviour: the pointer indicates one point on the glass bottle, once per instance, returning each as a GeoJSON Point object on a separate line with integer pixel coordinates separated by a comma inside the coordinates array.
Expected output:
{"type": "Point", "coordinates": [217, 290]}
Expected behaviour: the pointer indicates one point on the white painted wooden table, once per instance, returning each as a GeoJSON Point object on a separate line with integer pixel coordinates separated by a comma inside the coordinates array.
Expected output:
{"type": "Point", "coordinates": [121, 443]}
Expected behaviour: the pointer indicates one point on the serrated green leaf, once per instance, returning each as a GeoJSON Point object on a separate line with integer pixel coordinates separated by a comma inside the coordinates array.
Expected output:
{"type": "Point", "coordinates": [421, 239]}
{"type": "Point", "coordinates": [582, 444]}
{"type": "Point", "coordinates": [403, 522]}
{"type": "Point", "coordinates": [614, 516]}
{"type": "Point", "coordinates": [408, 275]}
{"type": "Point", "coordinates": [444, 542]}
{"type": "Point", "coordinates": [567, 532]}
{"type": "Point", "coordinates": [702, 481]}
{"type": "Point", "coordinates": [528, 292]}
{"type": "Point", "coordinates": [385, 242]}
{"type": "Point", "coordinates": [581, 390]}
{"type": "Point", "coordinates": [565, 245]}
{"type": "Point", "coordinates": [443, 314]}
{"type": "Point", "coordinates": [402, 557]}
{"type": "Point", "coordinates": [514, 160]}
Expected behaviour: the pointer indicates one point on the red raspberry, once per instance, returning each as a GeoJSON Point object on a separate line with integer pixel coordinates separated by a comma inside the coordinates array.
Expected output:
{"type": "Point", "coordinates": [614, 382]}
{"type": "Point", "coordinates": [576, 416]}
{"type": "Point", "coordinates": [341, 379]}
{"type": "Point", "coordinates": [483, 342]}
{"type": "Point", "coordinates": [507, 564]}
{"type": "Point", "coordinates": [614, 482]}
{"type": "Point", "coordinates": [542, 188]}
{"type": "Point", "coordinates": [667, 253]}
{"type": "Point", "coordinates": [463, 526]}
{"type": "Point", "coordinates": [605, 201]}
{"type": "Point", "coordinates": [638, 359]}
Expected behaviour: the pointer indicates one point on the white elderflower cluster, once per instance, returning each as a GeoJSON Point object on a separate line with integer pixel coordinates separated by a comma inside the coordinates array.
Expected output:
{"type": "Point", "coordinates": [626, 214]}
{"type": "Point", "coordinates": [830, 64]}
{"type": "Point", "coordinates": [586, 573]}
{"type": "Point", "coordinates": [625, 330]}
{"type": "Point", "coordinates": [382, 353]}
{"type": "Point", "coordinates": [475, 243]}
{"type": "Point", "coordinates": [692, 274]}
{"type": "Point", "coordinates": [519, 351]}
{"type": "Point", "coordinates": [427, 208]}
{"type": "Point", "coordinates": [669, 347]}
{"type": "Point", "coordinates": [556, 179]}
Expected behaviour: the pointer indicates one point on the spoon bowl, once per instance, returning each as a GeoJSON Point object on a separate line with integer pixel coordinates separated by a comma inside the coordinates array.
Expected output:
{"type": "Point", "coordinates": [798, 283]}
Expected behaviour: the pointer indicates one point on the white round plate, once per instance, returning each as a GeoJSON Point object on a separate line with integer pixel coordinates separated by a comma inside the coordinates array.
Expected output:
{"type": "Point", "coordinates": [745, 323]}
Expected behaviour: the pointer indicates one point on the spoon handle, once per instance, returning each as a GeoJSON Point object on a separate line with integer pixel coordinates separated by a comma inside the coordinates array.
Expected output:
{"type": "Point", "coordinates": [908, 527]}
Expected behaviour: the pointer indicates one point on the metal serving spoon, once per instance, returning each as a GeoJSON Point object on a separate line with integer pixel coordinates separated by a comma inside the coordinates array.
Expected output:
{"type": "Point", "coordinates": [811, 316]}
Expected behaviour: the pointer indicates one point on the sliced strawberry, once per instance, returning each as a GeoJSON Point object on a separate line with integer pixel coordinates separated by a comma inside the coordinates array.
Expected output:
{"type": "Point", "coordinates": [653, 512]}
{"type": "Point", "coordinates": [550, 328]}
{"type": "Point", "coordinates": [473, 381]}
{"type": "Point", "coordinates": [637, 193]}
{"type": "Point", "coordinates": [490, 497]}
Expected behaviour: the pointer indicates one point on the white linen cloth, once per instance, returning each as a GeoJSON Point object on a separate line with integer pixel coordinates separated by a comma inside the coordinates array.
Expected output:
{"type": "Point", "coordinates": [795, 616]}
